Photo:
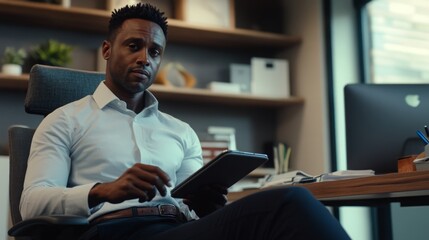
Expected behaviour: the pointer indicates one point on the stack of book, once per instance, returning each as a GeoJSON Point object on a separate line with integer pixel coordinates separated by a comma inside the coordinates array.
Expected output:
{"type": "Point", "coordinates": [279, 153]}
{"type": "Point", "coordinates": [216, 140]}
{"type": "Point", "coordinates": [212, 148]}
{"type": "Point", "coordinates": [422, 164]}
{"type": "Point", "coordinates": [288, 178]}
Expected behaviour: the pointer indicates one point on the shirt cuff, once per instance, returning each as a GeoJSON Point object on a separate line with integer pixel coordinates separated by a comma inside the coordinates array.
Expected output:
{"type": "Point", "coordinates": [77, 200]}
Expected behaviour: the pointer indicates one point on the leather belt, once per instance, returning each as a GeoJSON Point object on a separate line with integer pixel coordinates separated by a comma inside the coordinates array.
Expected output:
{"type": "Point", "coordinates": [160, 210]}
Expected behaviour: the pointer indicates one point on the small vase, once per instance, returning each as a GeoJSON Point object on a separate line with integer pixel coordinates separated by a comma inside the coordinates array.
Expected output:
{"type": "Point", "coordinates": [12, 69]}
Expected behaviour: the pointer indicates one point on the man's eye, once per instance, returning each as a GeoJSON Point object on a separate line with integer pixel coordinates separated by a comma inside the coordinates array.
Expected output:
{"type": "Point", "coordinates": [133, 47]}
{"type": "Point", "coordinates": [155, 52]}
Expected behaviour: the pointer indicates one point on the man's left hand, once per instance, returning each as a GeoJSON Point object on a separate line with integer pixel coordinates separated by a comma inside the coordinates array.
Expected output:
{"type": "Point", "coordinates": [207, 200]}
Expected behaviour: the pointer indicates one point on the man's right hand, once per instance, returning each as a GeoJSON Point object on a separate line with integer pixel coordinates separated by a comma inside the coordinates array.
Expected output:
{"type": "Point", "coordinates": [140, 181]}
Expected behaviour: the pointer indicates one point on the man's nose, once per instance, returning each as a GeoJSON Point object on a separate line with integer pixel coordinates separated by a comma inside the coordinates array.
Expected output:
{"type": "Point", "coordinates": [143, 58]}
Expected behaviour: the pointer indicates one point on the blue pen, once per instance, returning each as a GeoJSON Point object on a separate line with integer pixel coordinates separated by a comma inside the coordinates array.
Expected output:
{"type": "Point", "coordinates": [422, 137]}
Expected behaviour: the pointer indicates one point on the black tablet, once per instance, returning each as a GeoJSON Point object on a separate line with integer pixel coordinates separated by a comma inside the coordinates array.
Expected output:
{"type": "Point", "coordinates": [226, 169]}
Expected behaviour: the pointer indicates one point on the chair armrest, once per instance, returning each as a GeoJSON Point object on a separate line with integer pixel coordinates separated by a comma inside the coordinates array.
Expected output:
{"type": "Point", "coordinates": [41, 225]}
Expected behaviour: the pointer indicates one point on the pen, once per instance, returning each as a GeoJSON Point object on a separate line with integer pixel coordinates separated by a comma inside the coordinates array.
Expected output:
{"type": "Point", "coordinates": [422, 137]}
{"type": "Point", "coordinates": [427, 131]}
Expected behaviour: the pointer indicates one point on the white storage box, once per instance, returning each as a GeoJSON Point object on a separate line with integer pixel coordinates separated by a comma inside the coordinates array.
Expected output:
{"type": "Point", "coordinates": [270, 77]}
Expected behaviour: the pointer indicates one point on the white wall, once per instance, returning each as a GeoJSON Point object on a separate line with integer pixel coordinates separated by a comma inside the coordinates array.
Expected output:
{"type": "Point", "coordinates": [306, 127]}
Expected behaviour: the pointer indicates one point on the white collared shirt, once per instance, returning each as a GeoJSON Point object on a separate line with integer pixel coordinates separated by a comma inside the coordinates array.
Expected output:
{"type": "Point", "coordinates": [95, 139]}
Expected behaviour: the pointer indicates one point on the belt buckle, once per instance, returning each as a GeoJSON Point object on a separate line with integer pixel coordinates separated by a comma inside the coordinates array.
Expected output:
{"type": "Point", "coordinates": [164, 212]}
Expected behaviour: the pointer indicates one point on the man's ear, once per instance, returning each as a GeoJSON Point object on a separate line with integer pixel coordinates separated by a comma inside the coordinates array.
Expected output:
{"type": "Point", "coordinates": [106, 49]}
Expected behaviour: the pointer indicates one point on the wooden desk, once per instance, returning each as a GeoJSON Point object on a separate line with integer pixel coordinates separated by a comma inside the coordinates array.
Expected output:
{"type": "Point", "coordinates": [410, 188]}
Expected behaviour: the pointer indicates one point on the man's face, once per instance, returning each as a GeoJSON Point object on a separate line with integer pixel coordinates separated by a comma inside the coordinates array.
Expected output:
{"type": "Point", "coordinates": [133, 56]}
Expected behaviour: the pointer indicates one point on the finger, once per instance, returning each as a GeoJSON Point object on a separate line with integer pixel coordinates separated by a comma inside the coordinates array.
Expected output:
{"type": "Point", "coordinates": [139, 188]}
{"type": "Point", "coordinates": [143, 197]}
{"type": "Point", "coordinates": [150, 186]}
{"type": "Point", "coordinates": [161, 187]}
{"type": "Point", "coordinates": [136, 192]}
{"type": "Point", "coordinates": [162, 177]}
{"type": "Point", "coordinates": [147, 195]}
{"type": "Point", "coordinates": [152, 183]}
{"type": "Point", "coordinates": [148, 189]}
{"type": "Point", "coordinates": [154, 176]}
{"type": "Point", "coordinates": [151, 193]}
{"type": "Point", "coordinates": [156, 171]}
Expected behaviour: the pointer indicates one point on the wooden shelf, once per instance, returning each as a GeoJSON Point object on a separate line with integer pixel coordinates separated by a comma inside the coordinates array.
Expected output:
{"type": "Point", "coordinates": [181, 94]}
{"type": "Point", "coordinates": [12, 82]}
{"type": "Point", "coordinates": [203, 95]}
{"type": "Point", "coordinates": [95, 21]}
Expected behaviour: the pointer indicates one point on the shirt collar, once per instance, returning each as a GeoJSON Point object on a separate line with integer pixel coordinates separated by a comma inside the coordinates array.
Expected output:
{"type": "Point", "coordinates": [103, 96]}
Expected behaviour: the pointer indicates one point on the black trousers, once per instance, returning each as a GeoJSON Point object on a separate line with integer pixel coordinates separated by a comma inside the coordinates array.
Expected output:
{"type": "Point", "coordinates": [281, 213]}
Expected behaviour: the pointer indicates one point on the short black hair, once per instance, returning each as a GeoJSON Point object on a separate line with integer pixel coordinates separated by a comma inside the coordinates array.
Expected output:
{"type": "Point", "coordinates": [140, 10]}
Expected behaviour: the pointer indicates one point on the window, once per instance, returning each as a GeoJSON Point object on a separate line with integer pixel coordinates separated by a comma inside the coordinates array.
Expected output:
{"type": "Point", "coordinates": [398, 42]}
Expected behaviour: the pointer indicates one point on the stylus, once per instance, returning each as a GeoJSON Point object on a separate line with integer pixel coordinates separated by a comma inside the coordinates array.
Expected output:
{"type": "Point", "coordinates": [422, 137]}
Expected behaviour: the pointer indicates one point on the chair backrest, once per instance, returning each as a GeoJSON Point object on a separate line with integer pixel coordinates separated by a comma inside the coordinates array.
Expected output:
{"type": "Point", "coordinates": [48, 88]}
{"type": "Point", "coordinates": [52, 87]}
{"type": "Point", "coordinates": [19, 148]}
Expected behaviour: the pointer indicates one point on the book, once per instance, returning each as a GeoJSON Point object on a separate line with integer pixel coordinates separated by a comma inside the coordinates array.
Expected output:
{"type": "Point", "coordinates": [421, 163]}
{"type": "Point", "coordinates": [284, 156]}
{"type": "Point", "coordinates": [279, 156]}
{"type": "Point", "coordinates": [212, 148]}
{"type": "Point", "coordinates": [215, 141]}
{"type": "Point", "coordinates": [290, 177]}
{"type": "Point", "coordinates": [220, 133]}
{"type": "Point", "coordinates": [345, 174]}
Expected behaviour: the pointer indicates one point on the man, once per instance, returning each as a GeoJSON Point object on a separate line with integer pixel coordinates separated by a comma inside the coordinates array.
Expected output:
{"type": "Point", "coordinates": [114, 157]}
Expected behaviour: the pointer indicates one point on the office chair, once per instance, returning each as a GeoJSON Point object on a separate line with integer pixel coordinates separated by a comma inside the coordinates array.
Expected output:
{"type": "Point", "coordinates": [49, 88]}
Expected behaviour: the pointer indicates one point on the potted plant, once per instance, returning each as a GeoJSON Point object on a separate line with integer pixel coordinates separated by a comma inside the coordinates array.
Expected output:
{"type": "Point", "coordinates": [52, 53]}
{"type": "Point", "coordinates": [13, 60]}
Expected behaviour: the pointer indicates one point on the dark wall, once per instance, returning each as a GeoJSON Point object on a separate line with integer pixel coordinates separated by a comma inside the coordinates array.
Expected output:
{"type": "Point", "coordinates": [12, 112]}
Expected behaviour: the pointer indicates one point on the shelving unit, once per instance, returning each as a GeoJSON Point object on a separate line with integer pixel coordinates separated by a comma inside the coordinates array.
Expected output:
{"type": "Point", "coordinates": [180, 94]}
{"type": "Point", "coordinates": [94, 20]}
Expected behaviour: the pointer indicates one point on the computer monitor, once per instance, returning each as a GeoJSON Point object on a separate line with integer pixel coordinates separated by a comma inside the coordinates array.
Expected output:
{"type": "Point", "coordinates": [381, 124]}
